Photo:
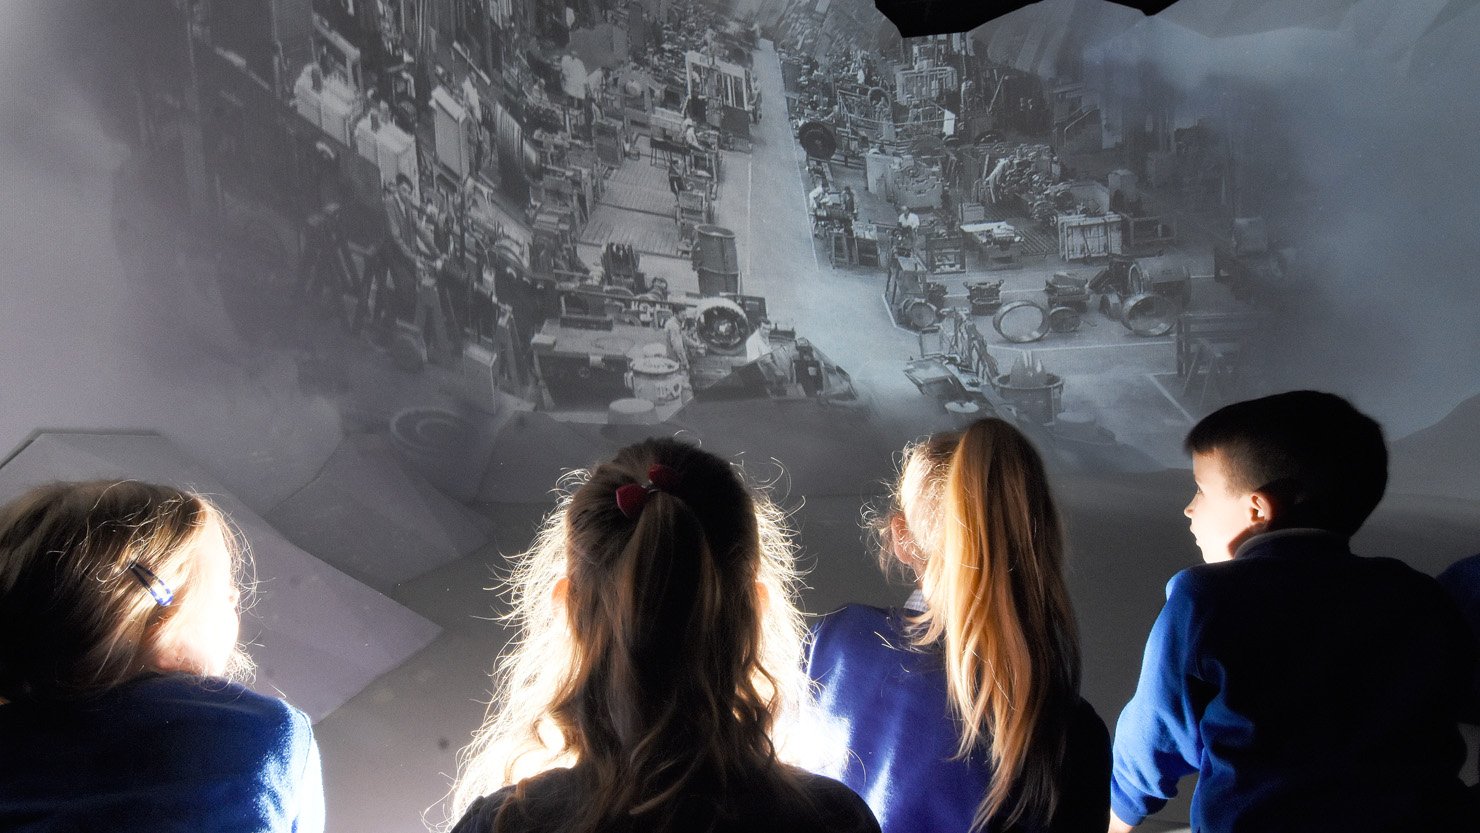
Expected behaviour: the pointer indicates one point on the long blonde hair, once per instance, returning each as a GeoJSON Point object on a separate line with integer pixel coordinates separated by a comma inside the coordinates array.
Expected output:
{"type": "Point", "coordinates": [990, 551]}
{"type": "Point", "coordinates": [77, 614]}
{"type": "Point", "coordinates": [673, 654]}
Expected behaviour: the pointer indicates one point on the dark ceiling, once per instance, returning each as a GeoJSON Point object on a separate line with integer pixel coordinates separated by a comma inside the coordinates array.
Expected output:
{"type": "Point", "coordinates": [935, 17]}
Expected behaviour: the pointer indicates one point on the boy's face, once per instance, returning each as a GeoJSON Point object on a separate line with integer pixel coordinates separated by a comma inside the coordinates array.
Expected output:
{"type": "Point", "coordinates": [1222, 517]}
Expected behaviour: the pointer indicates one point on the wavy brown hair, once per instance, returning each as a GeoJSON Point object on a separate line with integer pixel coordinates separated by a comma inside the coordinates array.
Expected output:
{"type": "Point", "coordinates": [987, 538]}
{"type": "Point", "coordinates": [75, 620]}
{"type": "Point", "coordinates": [674, 652]}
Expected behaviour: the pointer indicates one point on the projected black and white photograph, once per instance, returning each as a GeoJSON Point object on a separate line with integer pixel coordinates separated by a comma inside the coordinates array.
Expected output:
{"type": "Point", "coordinates": [375, 276]}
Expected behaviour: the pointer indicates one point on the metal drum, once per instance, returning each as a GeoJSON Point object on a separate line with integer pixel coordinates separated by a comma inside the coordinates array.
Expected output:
{"type": "Point", "coordinates": [818, 139]}
{"type": "Point", "coordinates": [1021, 321]}
{"type": "Point", "coordinates": [716, 260]}
{"type": "Point", "coordinates": [964, 411]}
{"type": "Point", "coordinates": [1163, 275]}
{"type": "Point", "coordinates": [1063, 319]}
{"type": "Point", "coordinates": [1149, 314]}
{"type": "Point", "coordinates": [656, 379]}
{"type": "Point", "coordinates": [919, 314]}
{"type": "Point", "coordinates": [1037, 400]}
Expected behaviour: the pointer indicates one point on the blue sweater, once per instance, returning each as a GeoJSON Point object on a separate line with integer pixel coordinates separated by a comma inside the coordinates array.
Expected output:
{"type": "Point", "coordinates": [887, 731]}
{"type": "Point", "coordinates": [160, 754]}
{"type": "Point", "coordinates": [1309, 689]}
{"type": "Point", "coordinates": [1462, 582]}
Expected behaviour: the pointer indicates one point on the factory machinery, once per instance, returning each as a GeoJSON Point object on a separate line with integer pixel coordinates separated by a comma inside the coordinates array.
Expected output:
{"type": "Point", "coordinates": [956, 368]}
{"type": "Point", "coordinates": [963, 152]}
{"type": "Point", "coordinates": [307, 156]}
{"type": "Point", "coordinates": [625, 343]}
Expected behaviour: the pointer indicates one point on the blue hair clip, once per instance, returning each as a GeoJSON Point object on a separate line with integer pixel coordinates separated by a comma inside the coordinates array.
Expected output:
{"type": "Point", "coordinates": [158, 590]}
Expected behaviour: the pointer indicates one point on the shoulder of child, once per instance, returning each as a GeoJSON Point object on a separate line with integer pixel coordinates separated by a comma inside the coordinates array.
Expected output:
{"type": "Point", "coordinates": [1196, 581]}
{"type": "Point", "coordinates": [547, 798]}
{"type": "Point", "coordinates": [1464, 574]}
{"type": "Point", "coordinates": [214, 692]}
{"type": "Point", "coordinates": [478, 818]}
{"type": "Point", "coordinates": [1204, 581]}
{"type": "Point", "coordinates": [841, 625]}
{"type": "Point", "coordinates": [850, 615]}
{"type": "Point", "coordinates": [839, 809]}
{"type": "Point", "coordinates": [1087, 720]}
{"type": "Point", "coordinates": [242, 723]}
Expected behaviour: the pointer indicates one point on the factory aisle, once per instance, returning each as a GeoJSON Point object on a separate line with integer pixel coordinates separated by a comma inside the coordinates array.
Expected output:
{"type": "Point", "coordinates": [636, 209]}
{"type": "Point", "coordinates": [842, 313]}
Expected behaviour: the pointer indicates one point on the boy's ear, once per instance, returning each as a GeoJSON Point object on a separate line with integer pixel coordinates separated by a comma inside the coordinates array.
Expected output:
{"type": "Point", "coordinates": [1264, 508]}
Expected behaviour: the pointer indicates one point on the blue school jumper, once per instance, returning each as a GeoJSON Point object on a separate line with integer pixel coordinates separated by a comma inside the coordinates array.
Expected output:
{"type": "Point", "coordinates": [1309, 689]}
{"type": "Point", "coordinates": [889, 734]}
{"type": "Point", "coordinates": [161, 754]}
{"type": "Point", "coordinates": [1461, 580]}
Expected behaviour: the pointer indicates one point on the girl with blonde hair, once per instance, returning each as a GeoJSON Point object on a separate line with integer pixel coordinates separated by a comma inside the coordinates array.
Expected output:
{"type": "Point", "coordinates": [658, 646]}
{"type": "Point", "coordinates": [961, 711]}
{"type": "Point", "coordinates": [118, 627]}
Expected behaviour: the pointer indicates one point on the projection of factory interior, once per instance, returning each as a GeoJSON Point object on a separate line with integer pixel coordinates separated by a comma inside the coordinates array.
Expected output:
{"type": "Point", "coordinates": [610, 210]}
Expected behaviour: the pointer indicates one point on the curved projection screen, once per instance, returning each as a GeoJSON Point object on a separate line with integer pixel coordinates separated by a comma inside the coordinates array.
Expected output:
{"type": "Point", "coordinates": [377, 272]}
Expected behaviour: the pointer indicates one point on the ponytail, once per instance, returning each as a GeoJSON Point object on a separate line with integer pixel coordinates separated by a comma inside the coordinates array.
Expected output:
{"type": "Point", "coordinates": [663, 673]}
{"type": "Point", "coordinates": [647, 620]}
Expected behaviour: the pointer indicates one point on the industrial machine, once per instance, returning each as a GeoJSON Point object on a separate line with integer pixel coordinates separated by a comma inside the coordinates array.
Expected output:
{"type": "Point", "coordinates": [998, 244]}
{"type": "Point", "coordinates": [728, 90]}
{"type": "Point", "coordinates": [1212, 353]}
{"type": "Point", "coordinates": [1252, 263]}
{"type": "Point", "coordinates": [913, 299]}
{"type": "Point", "coordinates": [582, 361]}
{"type": "Point", "coordinates": [944, 249]}
{"type": "Point", "coordinates": [818, 139]}
{"type": "Point", "coordinates": [1066, 290]}
{"type": "Point", "coordinates": [954, 360]}
{"type": "Point", "coordinates": [985, 297]}
{"type": "Point", "coordinates": [722, 325]}
{"type": "Point", "coordinates": [1145, 294]}
{"type": "Point", "coordinates": [955, 368]}
{"type": "Point", "coordinates": [691, 209]}
{"type": "Point", "coordinates": [1067, 300]}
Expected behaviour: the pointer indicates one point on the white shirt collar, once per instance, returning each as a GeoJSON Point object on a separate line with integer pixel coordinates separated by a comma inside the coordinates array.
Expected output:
{"type": "Point", "coordinates": [916, 601]}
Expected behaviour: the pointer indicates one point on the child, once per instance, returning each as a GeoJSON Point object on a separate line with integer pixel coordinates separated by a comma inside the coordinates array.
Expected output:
{"type": "Point", "coordinates": [1309, 689]}
{"type": "Point", "coordinates": [659, 642]}
{"type": "Point", "coordinates": [118, 618]}
{"type": "Point", "coordinates": [1461, 580]}
{"type": "Point", "coordinates": [962, 711]}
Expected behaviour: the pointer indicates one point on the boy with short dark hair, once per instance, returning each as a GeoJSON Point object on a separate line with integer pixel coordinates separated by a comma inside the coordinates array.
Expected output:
{"type": "Point", "coordinates": [1310, 689]}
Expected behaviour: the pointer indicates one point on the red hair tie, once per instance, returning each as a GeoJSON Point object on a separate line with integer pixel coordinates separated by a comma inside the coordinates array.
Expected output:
{"type": "Point", "coordinates": [632, 497]}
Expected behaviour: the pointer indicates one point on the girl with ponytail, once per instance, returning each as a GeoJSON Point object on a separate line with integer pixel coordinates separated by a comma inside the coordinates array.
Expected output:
{"type": "Point", "coordinates": [961, 711]}
{"type": "Point", "coordinates": [658, 646]}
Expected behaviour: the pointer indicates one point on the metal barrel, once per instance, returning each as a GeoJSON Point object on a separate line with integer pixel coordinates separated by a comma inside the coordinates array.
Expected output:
{"type": "Point", "coordinates": [1038, 401]}
{"type": "Point", "coordinates": [1150, 314]}
{"type": "Point", "coordinates": [716, 260]}
{"type": "Point", "coordinates": [1021, 321]}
